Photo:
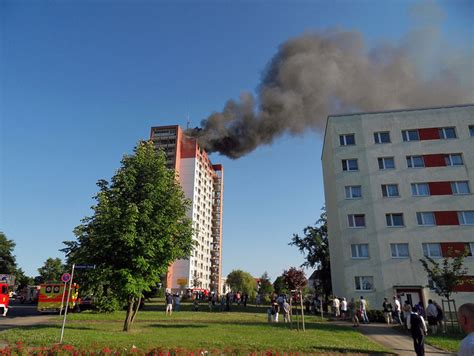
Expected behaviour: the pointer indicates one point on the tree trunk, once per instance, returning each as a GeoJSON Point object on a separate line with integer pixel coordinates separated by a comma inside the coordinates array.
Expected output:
{"type": "Point", "coordinates": [135, 311]}
{"type": "Point", "coordinates": [128, 316]}
{"type": "Point", "coordinates": [302, 309]}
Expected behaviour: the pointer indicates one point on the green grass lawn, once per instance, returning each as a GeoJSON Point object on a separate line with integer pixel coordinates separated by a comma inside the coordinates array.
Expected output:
{"type": "Point", "coordinates": [242, 329]}
{"type": "Point", "coordinates": [449, 342]}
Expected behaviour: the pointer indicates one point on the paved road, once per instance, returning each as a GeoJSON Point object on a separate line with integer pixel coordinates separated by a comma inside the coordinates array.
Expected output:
{"type": "Point", "coordinates": [22, 315]}
{"type": "Point", "coordinates": [399, 343]}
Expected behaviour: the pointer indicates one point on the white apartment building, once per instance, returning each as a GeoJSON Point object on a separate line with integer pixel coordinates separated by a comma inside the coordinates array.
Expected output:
{"type": "Point", "coordinates": [398, 186]}
{"type": "Point", "coordinates": [203, 184]}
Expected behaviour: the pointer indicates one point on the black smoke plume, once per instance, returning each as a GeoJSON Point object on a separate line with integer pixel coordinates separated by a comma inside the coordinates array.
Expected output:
{"type": "Point", "coordinates": [317, 74]}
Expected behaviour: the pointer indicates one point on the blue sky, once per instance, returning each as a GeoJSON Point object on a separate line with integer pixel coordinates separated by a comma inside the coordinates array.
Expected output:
{"type": "Point", "coordinates": [82, 81]}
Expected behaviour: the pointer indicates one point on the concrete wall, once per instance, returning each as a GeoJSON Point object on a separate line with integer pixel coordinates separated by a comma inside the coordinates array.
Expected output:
{"type": "Point", "coordinates": [388, 272]}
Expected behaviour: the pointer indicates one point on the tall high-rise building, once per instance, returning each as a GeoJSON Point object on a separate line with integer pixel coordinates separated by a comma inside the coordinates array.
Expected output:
{"type": "Point", "coordinates": [203, 184]}
{"type": "Point", "coordinates": [398, 187]}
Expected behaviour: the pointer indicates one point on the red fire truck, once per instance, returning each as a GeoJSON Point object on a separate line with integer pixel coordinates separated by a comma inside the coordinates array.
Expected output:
{"type": "Point", "coordinates": [4, 298]}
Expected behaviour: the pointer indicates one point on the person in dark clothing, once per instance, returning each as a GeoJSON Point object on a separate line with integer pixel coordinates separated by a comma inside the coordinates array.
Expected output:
{"type": "Point", "coordinates": [227, 302]}
{"type": "Point", "coordinates": [417, 325]}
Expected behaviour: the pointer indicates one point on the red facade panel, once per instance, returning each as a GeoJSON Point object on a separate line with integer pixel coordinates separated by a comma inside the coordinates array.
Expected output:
{"type": "Point", "coordinates": [188, 147]}
{"type": "Point", "coordinates": [440, 188]}
{"type": "Point", "coordinates": [429, 134]}
{"type": "Point", "coordinates": [453, 249]}
{"type": "Point", "coordinates": [446, 218]}
{"type": "Point", "coordinates": [467, 285]}
{"type": "Point", "coordinates": [434, 160]}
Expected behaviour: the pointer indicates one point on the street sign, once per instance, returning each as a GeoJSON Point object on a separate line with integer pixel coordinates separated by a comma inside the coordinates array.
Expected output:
{"type": "Point", "coordinates": [66, 277]}
{"type": "Point", "coordinates": [84, 267]}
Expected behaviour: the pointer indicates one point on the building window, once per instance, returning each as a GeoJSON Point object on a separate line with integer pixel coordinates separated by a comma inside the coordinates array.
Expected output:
{"type": "Point", "coordinates": [350, 165]}
{"type": "Point", "coordinates": [459, 188]}
{"type": "Point", "coordinates": [390, 190]}
{"type": "Point", "coordinates": [382, 137]}
{"type": "Point", "coordinates": [394, 220]}
{"type": "Point", "coordinates": [364, 283]}
{"type": "Point", "coordinates": [420, 189]}
{"type": "Point", "coordinates": [447, 133]}
{"type": "Point", "coordinates": [471, 130]}
{"type": "Point", "coordinates": [347, 140]}
{"type": "Point", "coordinates": [386, 162]}
{"type": "Point", "coordinates": [353, 192]}
{"type": "Point", "coordinates": [426, 218]}
{"type": "Point", "coordinates": [432, 250]}
{"type": "Point", "coordinates": [360, 250]}
{"type": "Point", "coordinates": [466, 217]}
{"type": "Point", "coordinates": [415, 161]}
{"type": "Point", "coordinates": [453, 159]}
{"type": "Point", "coordinates": [399, 250]}
{"type": "Point", "coordinates": [470, 252]}
{"type": "Point", "coordinates": [410, 135]}
{"type": "Point", "coordinates": [356, 220]}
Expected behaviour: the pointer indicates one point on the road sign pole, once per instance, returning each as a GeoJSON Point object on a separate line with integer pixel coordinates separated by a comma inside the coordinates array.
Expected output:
{"type": "Point", "coordinates": [62, 299]}
{"type": "Point", "coordinates": [67, 305]}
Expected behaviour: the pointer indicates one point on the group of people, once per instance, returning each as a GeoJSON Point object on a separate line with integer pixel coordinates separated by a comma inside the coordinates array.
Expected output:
{"type": "Point", "coordinates": [279, 305]}
{"type": "Point", "coordinates": [355, 311]}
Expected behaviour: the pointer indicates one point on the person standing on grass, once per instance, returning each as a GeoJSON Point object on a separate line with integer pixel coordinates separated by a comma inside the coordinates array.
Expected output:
{"type": "Point", "coordinates": [169, 303]}
{"type": "Point", "coordinates": [177, 302]}
{"type": "Point", "coordinates": [440, 317]}
{"type": "Point", "coordinates": [363, 310]}
{"type": "Point", "coordinates": [466, 321]}
{"type": "Point", "coordinates": [286, 312]}
{"type": "Point", "coordinates": [387, 311]}
{"type": "Point", "coordinates": [222, 302]}
{"type": "Point", "coordinates": [397, 310]}
{"type": "Point", "coordinates": [416, 324]}
{"type": "Point", "coordinates": [432, 316]}
{"type": "Point", "coordinates": [353, 313]}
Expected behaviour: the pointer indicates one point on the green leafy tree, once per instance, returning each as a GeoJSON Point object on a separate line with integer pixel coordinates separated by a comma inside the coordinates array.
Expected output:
{"type": "Point", "coordinates": [239, 280]}
{"type": "Point", "coordinates": [139, 227]}
{"type": "Point", "coordinates": [265, 287]}
{"type": "Point", "coordinates": [7, 259]}
{"type": "Point", "coordinates": [448, 273]}
{"type": "Point", "coordinates": [296, 280]}
{"type": "Point", "coordinates": [315, 247]}
{"type": "Point", "coordinates": [22, 280]}
{"type": "Point", "coordinates": [51, 270]}
{"type": "Point", "coordinates": [280, 286]}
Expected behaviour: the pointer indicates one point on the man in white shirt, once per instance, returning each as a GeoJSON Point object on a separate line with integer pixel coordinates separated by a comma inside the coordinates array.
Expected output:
{"type": "Point", "coordinates": [466, 320]}
{"type": "Point", "coordinates": [335, 305]}
{"type": "Point", "coordinates": [397, 308]}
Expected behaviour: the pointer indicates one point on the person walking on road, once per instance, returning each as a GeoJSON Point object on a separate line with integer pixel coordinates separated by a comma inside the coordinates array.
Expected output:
{"type": "Point", "coordinates": [397, 310]}
{"type": "Point", "coordinates": [387, 311]}
{"type": "Point", "coordinates": [416, 324]}
{"type": "Point", "coordinates": [353, 313]}
{"type": "Point", "coordinates": [466, 321]}
{"type": "Point", "coordinates": [343, 309]}
{"type": "Point", "coordinates": [363, 310]}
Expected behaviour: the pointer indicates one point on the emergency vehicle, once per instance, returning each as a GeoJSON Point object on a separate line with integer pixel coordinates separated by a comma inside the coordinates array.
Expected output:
{"type": "Point", "coordinates": [51, 296]}
{"type": "Point", "coordinates": [4, 298]}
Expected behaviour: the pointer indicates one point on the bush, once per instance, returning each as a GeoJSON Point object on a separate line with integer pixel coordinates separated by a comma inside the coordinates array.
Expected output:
{"type": "Point", "coordinates": [376, 316]}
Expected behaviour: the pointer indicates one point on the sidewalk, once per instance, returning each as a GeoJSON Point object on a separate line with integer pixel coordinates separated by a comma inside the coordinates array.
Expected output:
{"type": "Point", "coordinates": [386, 335]}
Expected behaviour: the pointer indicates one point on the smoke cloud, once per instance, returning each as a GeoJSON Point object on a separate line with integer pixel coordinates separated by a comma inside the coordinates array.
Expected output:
{"type": "Point", "coordinates": [332, 72]}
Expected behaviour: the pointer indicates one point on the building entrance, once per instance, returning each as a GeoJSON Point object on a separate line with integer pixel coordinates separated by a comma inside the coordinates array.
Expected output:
{"type": "Point", "coordinates": [412, 295]}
